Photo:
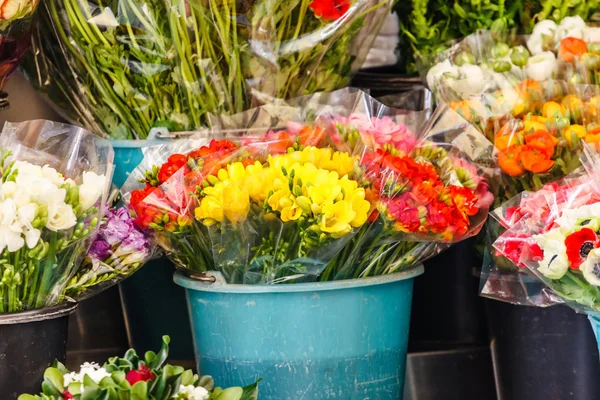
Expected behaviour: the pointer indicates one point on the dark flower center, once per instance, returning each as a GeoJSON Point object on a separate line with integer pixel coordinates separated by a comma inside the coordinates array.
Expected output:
{"type": "Point", "coordinates": [585, 222]}
{"type": "Point", "coordinates": [596, 270]}
{"type": "Point", "coordinates": [585, 249]}
{"type": "Point", "coordinates": [552, 259]}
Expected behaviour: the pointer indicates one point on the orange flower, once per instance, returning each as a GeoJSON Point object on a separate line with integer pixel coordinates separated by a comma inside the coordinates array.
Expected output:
{"type": "Point", "coordinates": [311, 136]}
{"type": "Point", "coordinates": [280, 142]}
{"type": "Point", "coordinates": [541, 141]}
{"type": "Point", "coordinates": [595, 101]}
{"type": "Point", "coordinates": [509, 161]}
{"type": "Point", "coordinates": [464, 109]}
{"type": "Point", "coordinates": [537, 118]}
{"type": "Point", "coordinates": [535, 161]}
{"type": "Point", "coordinates": [571, 48]}
{"type": "Point", "coordinates": [572, 102]}
{"type": "Point", "coordinates": [593, 136]}
{"type": "Point", "coordinates": [551, 108]}
{"type": "Point", "coordinates": [502, 142]}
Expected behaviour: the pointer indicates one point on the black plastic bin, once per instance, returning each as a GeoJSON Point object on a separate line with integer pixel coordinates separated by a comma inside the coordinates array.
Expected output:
{"type": "Point", "coordinates": [385, 81]}
{"type": "Point", "coordinates": [543, 353]}
{"type": "Point", "coordinates": [30, 341]}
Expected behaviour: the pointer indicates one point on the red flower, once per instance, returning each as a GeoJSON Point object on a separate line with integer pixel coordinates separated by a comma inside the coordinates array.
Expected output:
{"type": "Point", "coordinates": [215, 147]}
{"type": "Point", "coordinates": [143, 374]}
{"type": "Point", "coordinates": [439, 217]}
{"type": "Point", "coordinates": [404, 212]}
{"type": "Point", "coordinates": [137, 196]}
{"type": "Point", "coordinates": [425, 192]}
{"type": "Point", "coordinates": [465, 200]}
{"type": "Point", "coordinates": [174, 164]}
{"type": "Point", "coordinates": [579, 244]}
{"type": "Point", "coordinates": [67, 396]}
{"type": "Point", "coordinates": [330, 10]}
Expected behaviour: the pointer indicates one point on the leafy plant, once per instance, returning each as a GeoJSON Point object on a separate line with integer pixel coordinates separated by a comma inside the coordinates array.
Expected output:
{"type": "Point", "coordinates": [134, 378]}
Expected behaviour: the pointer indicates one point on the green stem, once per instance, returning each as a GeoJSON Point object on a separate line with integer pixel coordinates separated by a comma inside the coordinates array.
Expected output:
{"type": "Point", "coordinates": [49, 267]}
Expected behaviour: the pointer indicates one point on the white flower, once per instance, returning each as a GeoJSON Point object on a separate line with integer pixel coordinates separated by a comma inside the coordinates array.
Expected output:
{"type": "Point", "coordinates": [25, 168]}
{"type": "Point", "coordinates": [438, 70]}
{"type": "Point", "coordinates": [591, 34]}
{"type": "Point", "coordinates": [8, 189]}
{"type": "Point", "coordinates": [190, 392]}
{"type": "Point", "coordinates": [591, 267]}
{"type": "Point", "coordinates": [570, 27]}
{"type": "Point", "coordinates": [555, 263]}
{"type": "Point", "coordinates": [52, 175]}
{"type": "Point", "coordinates": [570, 217]}
{"type": "Point", "coordinates": [93, 370]}
{"type": "Point", "coordinates": [61, 218]}
{"type": "Point", "coordinates": [542, 36]}
{"type": "Point", "coordinates": [11, 238]}
{"type": "Point", "coordinates": [472, 81]}
{"type": "Point", "coordinates": [92, 188]}
{"type": "Point", "coordinates": [542, 66]}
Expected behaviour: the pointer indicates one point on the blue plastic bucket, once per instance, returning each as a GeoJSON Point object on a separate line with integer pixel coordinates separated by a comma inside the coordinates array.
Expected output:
{"type": "Point", "coordinates": [342, 340]}
{"type": "Point", "coordinates": [128, 155]}
{"type": "Point", "coordinates": [153, 283]}
{"type": "Point", "coordinates": [595, 321]}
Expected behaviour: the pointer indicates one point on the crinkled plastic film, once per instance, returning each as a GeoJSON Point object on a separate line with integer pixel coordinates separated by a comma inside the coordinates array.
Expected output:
{"type": "Point", "coordinates": [73, 152]}
{"type": "Point", "coordinates": [123, 68]}
{"type": "Point", "coordinates": [236, 250]}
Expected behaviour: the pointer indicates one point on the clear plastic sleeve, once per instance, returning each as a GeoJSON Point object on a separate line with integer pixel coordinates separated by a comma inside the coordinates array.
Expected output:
{"type": "Point", "coordinates": [385, 162]}
{"type": "Point", "coordinates": [55, 180]}
{"type": "Point", "coordinates": [126, 67]}
{"type": "Point", "coordinates": [118, 250]}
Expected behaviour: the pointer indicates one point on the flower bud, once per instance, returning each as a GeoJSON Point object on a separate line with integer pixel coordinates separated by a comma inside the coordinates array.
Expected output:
{"type": "Point", "coordinates": [519, 56]}
{"type": "Point", "coordinates": [502, 66]}
{"type": "Point", "coordinates": [463, 58]}
{"type": "Point", "coordinates": [594, 47]}
{"type": "Point", "coordinates": [500, 50]}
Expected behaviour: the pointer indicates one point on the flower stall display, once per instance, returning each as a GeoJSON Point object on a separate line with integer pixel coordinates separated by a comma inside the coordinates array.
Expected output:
{"type": "Point", "coordinates": [489, 60]}
{"type": "Point", "coordinates": [295, 200]}
{"type": "Point", "coordinates": [135, 377]}
{"type": "Point", "coordinates": [119, 249]}
{"type": "Point", "coordinates": [429, 25]}
{"type": "Point", "coordinates": [124, 68]}
{"type": "Point", "coordinates": [54, 181]}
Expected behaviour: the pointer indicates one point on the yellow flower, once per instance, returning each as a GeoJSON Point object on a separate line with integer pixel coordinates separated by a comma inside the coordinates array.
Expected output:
{"type": "Point", "coordinates": [551, 108]}
{"type": "Point", "coordinates": [326, 158]}
{"type": "Point", "coordinates": [532, 126]}
{"type": "Point", "coordinates": [574, 131]}
{"type": "Point", "coordinates": [259, 181]}
{"type": "Point", "coordinates": [336, 218]}
{"type": "Point", "coordinates": [226, 199]}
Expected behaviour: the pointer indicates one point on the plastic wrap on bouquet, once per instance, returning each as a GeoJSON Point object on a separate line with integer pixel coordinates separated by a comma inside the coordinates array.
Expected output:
{"type": "Point", "coordinates": [118, 250]}
{"type": "Point", "coordinates": [54, 185]}
{"type": "Point", "coordinates": [561, 249]}
{"type": "Point", "coordinates": [126, 67]}
{"type": "Point", "coordinates": [288, 189]}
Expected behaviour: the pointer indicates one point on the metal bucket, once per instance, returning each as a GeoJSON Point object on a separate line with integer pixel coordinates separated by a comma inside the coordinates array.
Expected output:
{"type": "Point", "coordinates": [343, 339]}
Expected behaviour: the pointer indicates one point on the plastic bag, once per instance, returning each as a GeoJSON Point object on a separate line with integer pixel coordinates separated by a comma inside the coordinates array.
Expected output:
{"type": "Point", "coordinates": [54, 185]}
{"type": "Point", "coordinates": [561, 251]}
{"type": "Point", "coordinates": [123, 68]}
{"type": "Point", "coordinates": [288, 233]}
{"type": "Point", "coordinates": [118, 250]}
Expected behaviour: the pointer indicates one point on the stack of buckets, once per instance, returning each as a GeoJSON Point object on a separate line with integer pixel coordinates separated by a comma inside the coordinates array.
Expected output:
{"type": "Point", "coordinates": [345, 339]}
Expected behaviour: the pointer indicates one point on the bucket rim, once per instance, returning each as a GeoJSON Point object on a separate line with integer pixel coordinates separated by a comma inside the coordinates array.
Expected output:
{"type": "Point", "coordinates": [42, 314]}
{"type": "Point", "coordinates": [135, 143]}
{"type": "Point", "coordinates": [192, 284]}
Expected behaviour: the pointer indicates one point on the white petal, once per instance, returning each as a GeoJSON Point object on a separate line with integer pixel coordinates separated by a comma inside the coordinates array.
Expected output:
{"type": "Point", "coordinates": [591, 267]}
{"type": "Point", "coordinates": [32, 236]}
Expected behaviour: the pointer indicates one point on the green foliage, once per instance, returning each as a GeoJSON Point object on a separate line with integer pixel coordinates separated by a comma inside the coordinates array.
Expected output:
{"type": "Point", "coordinates": [427, 26]}
{"type": "Point", "coordinates": [166, 383]}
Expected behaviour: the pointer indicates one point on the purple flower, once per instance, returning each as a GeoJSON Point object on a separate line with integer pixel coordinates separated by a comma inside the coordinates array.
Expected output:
{"type": "Point", "coordinates": [99, 250]}
{"type": "Point", "coordinates": [135, 242]}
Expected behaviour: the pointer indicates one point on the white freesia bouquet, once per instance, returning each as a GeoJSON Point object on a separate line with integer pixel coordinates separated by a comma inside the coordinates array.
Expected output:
{"type": "Point", "coordinates": [48, 208]}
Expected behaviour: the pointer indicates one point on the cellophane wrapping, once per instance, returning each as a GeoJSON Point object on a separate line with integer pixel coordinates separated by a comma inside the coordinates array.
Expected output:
{"type": "Point", "coordinates": [119, 249]}
{"type": "Point", "coordinates": [125, 67]}
{"type": "Point", "coordinates": [560, 250]}
{"type": "Point", "coordinates": [55, 180]}
{"type": "Point", "coordinates": [315, 189]}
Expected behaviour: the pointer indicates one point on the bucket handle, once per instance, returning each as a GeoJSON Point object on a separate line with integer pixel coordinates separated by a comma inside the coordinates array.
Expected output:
{"type": "Point", "coordinates": [210, 277]}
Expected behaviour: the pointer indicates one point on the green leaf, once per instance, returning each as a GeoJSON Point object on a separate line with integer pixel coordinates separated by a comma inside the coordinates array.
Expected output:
{"type": "Point", "coordinates": [233, 393]}
{"type": "Point", "coordinates": [188, 378]}
{"type": "Point", "coordinates": [119, 376]}
{"type": "Point", "coordinates": [149, 357]}
{"type": "Point", "coordinates": [251, 391]}
{"type": "Point", "coordinates": [53, 376]}
{"type": "Point", "coordinates": [28, 397]}
{"type": "Point", "coordinates": [162, 355]}
{"type": "Point", "coordinates": [139, 391]}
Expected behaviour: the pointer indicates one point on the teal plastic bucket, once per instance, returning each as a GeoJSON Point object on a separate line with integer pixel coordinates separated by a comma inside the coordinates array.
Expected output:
{"type": "Point", "coordinates": [595, 321]}
{"type": "Point", "coordinates": [153, 305]}
{"type": "Point", "coordinates": [331, 340]}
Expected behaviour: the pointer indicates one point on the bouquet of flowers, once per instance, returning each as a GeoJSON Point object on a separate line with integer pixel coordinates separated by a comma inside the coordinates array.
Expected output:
{"type": "Point", "coordinates": [560, 248]}
{"type": "Point", "coordinates": [54, 182]}
{"type": "Point", "coordinates": [281, 205]}
{"type": "Point", "coordinates": [123, 68]}
{"type": "Point", "coordinates": [119, 249]}
{"type": "Point", "coordinates": [489, 60]}
{"type": "Point", "coordinates": [134, 377]}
